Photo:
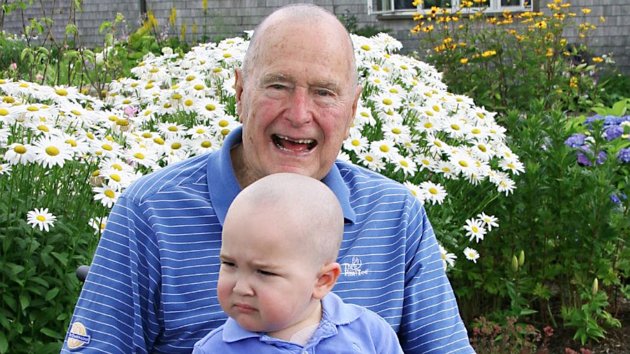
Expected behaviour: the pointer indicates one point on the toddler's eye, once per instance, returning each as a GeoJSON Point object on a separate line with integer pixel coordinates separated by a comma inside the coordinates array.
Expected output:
{"type": "Point", "coordinates": [266, 273]}
{"type": "Point", "coordinates": [228, 264]}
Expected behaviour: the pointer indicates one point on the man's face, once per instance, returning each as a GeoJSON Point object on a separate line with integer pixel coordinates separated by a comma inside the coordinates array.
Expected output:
{"type": "Point", "coordinates": [266, 281]}
{"type": "Point", "coordinates": [297, 101]}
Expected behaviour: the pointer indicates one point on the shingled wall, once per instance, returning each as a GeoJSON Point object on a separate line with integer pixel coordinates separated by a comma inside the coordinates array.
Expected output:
{"type": "Point", "coordinates": [226, 18]}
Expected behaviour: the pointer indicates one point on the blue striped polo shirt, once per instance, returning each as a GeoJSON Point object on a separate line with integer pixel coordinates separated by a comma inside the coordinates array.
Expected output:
{"type": "Point", "coordinates": [152, 281]}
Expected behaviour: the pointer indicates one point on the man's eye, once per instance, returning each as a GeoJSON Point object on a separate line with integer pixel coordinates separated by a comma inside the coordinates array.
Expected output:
{"type": "Point", "coordinates": [276, 86]}
{"type": "Point", "coordinates": [324, 93]}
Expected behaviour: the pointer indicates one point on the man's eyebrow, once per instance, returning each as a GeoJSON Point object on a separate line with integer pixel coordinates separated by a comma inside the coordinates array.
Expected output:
{"type": "Point", "coordinates": [330, 85]}
{"type": "Point", "coordinates": [275, 77]}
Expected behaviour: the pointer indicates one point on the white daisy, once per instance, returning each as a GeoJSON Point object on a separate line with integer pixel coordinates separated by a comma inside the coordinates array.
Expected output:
{"type": "Point", "coordinates": [471, 254]}
{"type": "Point", "coordinates": [406, 165]}
{"type": "Point", "coordinates": [475, 230]}
{"type": "Point", "coordinates": [384, 148]}
{"type": "Point", "coordinates": [106, 195]}
{"type": "Point", "coordinates": [5, 169]}
{"type": "Point", "coordinates": [203, 144]}
{"type": "Point", "coordinates": [18, 153]}
{"type": "Point", "coordinates": [512, 164]}
{"type": "Point", "coordinates": [356, 142]}
{"type": "Point", "coordinates": [371, 161]}
{"type": "Point", "coordinates": [41, 218]}
{"type": "Point", "coordinates": [98, 223]}
{"type": "Point", "coordinates": [415, 191]}
{"type": "Point", "coordinates": [433, 192]}
{"type": "Point", "coordinates": [489, 221]}
{"type": "Point", "coordinates": [171, 130]}
{"type": "Point", "coordinates": [464, 162]}
{"type": "Point", "coordinates": [51, 151]}
{"type": "Point", "coordinates": [448, 259]}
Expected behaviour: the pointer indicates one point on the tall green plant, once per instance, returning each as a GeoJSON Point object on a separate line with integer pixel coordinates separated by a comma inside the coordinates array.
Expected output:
{"type": "Point", "coordinates": [505, 61]}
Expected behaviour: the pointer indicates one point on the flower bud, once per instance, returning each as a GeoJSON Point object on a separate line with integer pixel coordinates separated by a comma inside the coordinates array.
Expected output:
{"type": "Point", "coordinates": [521, 258]}
{"type": "Point", "coordinates": [514, 264]}
{"type": "Point", "coordinates": [595, 287]}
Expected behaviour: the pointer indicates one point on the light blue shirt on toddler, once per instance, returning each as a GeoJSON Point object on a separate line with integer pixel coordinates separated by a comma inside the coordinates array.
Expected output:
{"type": "Point", "coordinates": [344, 328]}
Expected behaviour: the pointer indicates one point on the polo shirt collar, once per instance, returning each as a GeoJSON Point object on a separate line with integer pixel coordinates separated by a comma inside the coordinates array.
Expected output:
{"type": "Point", "coordinates": [223, 185]}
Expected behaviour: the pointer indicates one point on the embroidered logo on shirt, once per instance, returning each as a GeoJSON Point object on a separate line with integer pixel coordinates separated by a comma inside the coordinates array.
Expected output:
{"type": "Point", "coordinates": [78, 336]}
{"type": "Point", "coordinates": [353, 269]}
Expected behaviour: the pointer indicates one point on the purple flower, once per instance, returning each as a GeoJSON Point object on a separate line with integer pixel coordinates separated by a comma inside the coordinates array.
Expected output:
{"type": "Point", "coordinates": [584, 159]}
{"type": "Point", "coordinates": [618, 198]}
{"type": "Point", "coordinates": [590, 120]}
{"type": "Point", "coordinates": [624, 155]}
{"type": "Point", "coordinates": [575, 140]}
{"type": "Point", "coordinates": [613, 132]}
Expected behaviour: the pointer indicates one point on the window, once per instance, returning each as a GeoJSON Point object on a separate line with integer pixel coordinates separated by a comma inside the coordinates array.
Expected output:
{"type": "Point", "coordinates": [407, 6]}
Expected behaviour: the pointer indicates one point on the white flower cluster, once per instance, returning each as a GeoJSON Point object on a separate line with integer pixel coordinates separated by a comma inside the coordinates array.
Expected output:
{"type": "Point", "coordinates": [407, 126]}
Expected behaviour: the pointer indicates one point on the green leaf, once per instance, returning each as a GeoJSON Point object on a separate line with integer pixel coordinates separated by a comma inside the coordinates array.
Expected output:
{"type": "Point", "coordinates": [61, 257]}
{"type": "Point", "coordinates": [9, 301]}
{"type": "Point", "coordinates": [51, 294]}
{"type": "Point", "coordinates": [51, 333]}
{"type": "Point", "coordinates": [527, 312]}
{"type": "Point", "coordinates": [15, 268]}
{"type": "Point", "coordinates": [25, 300]}
{"type": "Point", "coordinates": [4, 344]}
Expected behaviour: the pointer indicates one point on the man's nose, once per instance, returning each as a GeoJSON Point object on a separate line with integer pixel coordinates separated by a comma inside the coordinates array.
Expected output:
{"type": "Point", "coordinates": [299, 112]}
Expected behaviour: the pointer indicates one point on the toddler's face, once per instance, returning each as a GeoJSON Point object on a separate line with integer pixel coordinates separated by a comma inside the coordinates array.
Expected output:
{"type": "Point", "coordinates": [266, 281]}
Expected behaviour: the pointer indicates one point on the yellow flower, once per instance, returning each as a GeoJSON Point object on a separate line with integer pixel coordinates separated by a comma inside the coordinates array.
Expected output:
{"type": "Point", "coordinates": [573, 82]}
{"type": "Point", "coordinates": [488, 53]}
{"type": "Point", "coordinates": [598, 59]}
{"type": "Point", "coordinates": [173, 16]}
{"type": "Point", "coordinates": [541, 25]}
{"type": "Point", "coordinates": [549, 52]}
{"type": "Point", "coordinates": [464, 61]}
{"type": "Point", "coordinates": [602, 19]}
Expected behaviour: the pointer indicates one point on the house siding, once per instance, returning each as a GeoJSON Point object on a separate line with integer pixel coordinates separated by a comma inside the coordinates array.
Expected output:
{"type": "Point", "coordinates": [226, 18]}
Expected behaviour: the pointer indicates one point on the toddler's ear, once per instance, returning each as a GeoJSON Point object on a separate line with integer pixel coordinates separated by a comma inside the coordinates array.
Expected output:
{"type": "Point", "coordinates": [326, 279]}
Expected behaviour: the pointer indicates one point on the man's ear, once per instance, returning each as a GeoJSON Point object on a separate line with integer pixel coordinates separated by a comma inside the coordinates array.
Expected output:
{"type": "Point", "coordinates": [355, 105]}
{"type": "Point", "coordinates": [238, 87]}
{"type": "Point", "coordinates": [326, 279]}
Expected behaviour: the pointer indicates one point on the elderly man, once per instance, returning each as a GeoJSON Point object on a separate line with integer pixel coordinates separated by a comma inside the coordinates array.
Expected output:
{"type": "Point", "coordinates": [152, 283]}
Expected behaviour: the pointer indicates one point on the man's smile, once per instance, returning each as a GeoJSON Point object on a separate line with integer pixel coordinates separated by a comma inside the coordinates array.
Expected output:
{"type": "Point", "coordinates": [293, 145]}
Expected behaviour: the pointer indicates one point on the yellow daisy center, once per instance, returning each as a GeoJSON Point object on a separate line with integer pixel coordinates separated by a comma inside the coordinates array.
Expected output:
{"type": "Point", "coordinates": [52, 151]}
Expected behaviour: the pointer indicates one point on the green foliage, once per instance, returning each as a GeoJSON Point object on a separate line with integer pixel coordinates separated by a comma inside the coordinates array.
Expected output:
{"type": "Point", "coordinates": [588, 318]}
{"type": "Point", "coordinates": [562, 213]}
{"type": "Point", "coordinates": [37, 280]}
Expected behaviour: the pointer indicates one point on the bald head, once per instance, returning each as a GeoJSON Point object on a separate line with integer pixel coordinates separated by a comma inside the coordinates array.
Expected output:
{"type": "Point", "coordinates": [306, 204]}
{"type": "Point", "coordinates": [312, 16]}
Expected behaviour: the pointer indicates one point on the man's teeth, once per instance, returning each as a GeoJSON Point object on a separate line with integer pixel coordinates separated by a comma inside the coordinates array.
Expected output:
{"type": "Point", "coordinates": [298, 141]}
